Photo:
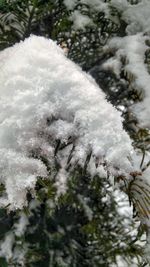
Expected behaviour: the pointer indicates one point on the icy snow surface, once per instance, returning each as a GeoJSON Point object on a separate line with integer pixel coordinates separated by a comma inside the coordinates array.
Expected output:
{"type": "Point", "coordinates": [44, 97]}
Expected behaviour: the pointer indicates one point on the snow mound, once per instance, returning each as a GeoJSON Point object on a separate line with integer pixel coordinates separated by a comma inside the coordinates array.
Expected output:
{"type": "Point", "coordinates": [52, 111]}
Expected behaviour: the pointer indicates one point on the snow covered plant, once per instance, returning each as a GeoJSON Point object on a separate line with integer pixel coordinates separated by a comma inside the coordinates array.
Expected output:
{"type": "Point", "coordinates": [51, 110]}
{"type": "Point", "coordinates": [55, 119]}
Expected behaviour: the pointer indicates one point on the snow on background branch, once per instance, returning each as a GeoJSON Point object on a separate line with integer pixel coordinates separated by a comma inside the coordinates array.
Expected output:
{"type": "Point", "coordinates": [132, 47]}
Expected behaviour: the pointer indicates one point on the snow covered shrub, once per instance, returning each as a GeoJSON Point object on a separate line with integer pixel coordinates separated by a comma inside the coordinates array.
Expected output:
{"type": "Point", "coordinates": [56, 121]}
{"type": "Point", "coordinates": [53, 112]}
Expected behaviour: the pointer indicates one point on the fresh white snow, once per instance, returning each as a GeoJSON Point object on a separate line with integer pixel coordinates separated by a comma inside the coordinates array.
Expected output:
{"type": "Point", "coordinates": [44, 97]}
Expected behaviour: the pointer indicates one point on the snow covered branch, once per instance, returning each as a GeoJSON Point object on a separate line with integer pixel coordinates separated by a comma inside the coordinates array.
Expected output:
{"type": "Point", "coordinates": [51, 110]}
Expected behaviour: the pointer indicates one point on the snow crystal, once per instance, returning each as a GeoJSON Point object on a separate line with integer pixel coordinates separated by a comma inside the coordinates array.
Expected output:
{"type": "Point", "coordinates": [46, 100]}
{"type": "Point", "coordinates": [84, 203]}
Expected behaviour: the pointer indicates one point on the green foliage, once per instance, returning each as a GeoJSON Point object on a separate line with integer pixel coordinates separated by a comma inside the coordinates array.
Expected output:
{"type": "Point", "coordinates": [18, 19]}
{"type": "Point", "coordinates": [3, 262]}
{"type": "Point", "coordinates": [81, 228]}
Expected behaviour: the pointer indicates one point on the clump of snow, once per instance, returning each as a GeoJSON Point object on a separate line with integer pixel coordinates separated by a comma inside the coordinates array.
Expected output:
{"type": "Point", "coordinates": [46, 101]}
{"type": "Point", "coordinates": [6, 246]}
{"type": "Point", "coordinates": [137, 17]}
{"type": "Point", "coordinates": [61, 181]}
{"type": "Point", "coordinates": [21, 225]}
{"type": "Point", "coordinates": [80, 21]}
{"type": "Point", "coordinates": [15, 254]}
{"type": "Point", "coordinates": [70, 4]}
